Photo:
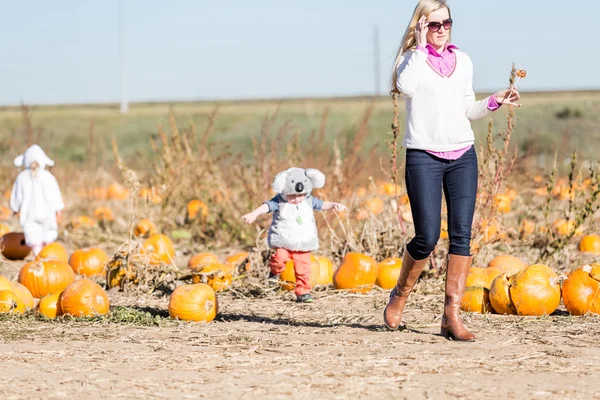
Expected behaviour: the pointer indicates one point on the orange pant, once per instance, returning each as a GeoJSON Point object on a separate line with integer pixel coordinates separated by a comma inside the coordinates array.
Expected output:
{"type": "Point", "coordinates": [301, 261]}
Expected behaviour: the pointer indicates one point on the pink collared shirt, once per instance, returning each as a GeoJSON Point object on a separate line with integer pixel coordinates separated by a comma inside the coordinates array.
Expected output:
{"type": "Point", "coordinates": [444, 65]}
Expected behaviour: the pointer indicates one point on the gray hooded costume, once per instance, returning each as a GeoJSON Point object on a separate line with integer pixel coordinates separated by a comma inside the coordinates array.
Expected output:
{"type": "Point", "coordinates": [293, 227]}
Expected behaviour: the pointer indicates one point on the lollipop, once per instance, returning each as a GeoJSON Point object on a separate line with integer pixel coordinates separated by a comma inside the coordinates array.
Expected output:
{"type": "Point", "coordinates": [520, 74]}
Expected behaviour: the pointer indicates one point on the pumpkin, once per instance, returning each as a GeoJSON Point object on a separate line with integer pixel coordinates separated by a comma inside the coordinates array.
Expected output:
{"type": "Point", "coordinates": [325, 271]}
{"type": "Point", "coordinates": [374, 205]}
{"type": "Point", "coordinates": [389, 189]}
{"type": "Point", "coordinates": [45, 277]}
{"type": "Point", "coordinates": [84, 298]}
{"type": "Point", "coordinates": [288, 276]}
{"type": "Point", "coordinates": [201, 260]}
{"type": "Point", "coordinates": [53, 251]}
{"type": "Point", "coordinates": [196, 302]}
{"type": "Point", "coordinates": [527, 228]}
{"type": "Point", "coordinates": [217, 276]}
{"type": "Point", "coordinates": [117, 192]}
{"type": "Point", "coordinates": [83, 222]}
{"type": "Point", "coordinates": [502, 203]}
{"type": "Point", "coordinates": [581, 290]}
{"type": "Point", "coordinates": [476, 299]}
{"type": "Point", "coordinates": [11, 303]}
{"type": "Point", "coordinates": [24, 294]}
{"type": "Point", "coordinates": [5, 284]}
{"type": "Point", "coordinates": [104, 214]}
{"type": "Point", "coordinates": [388, 272]}
{"type": "Point", "coordinates": [13, 246]}
{"type": "Point", "coordinates": [235, 259]}
{"type": "Point", "coordinates": [150, 195]}
{"type": "Point", "coordinates": [5, 213]}
{"type": "Point", "coordinates": [590, 244]}
{"type": "Point", "coordinates": [196, 208]}
{"type": "Point", "coordinates": [49, 305]}
{"type": "Point", "coordinates": [562, 227]}
{"type": "Point", "coordinates": [500, 296]}
{"type": "Point", "coordinates": [489, 229]}
{"type": "Point", "coordinates": [144, 228]}
{"type": "Point", "coordinates": [88, 262]}
{"type": "Point", "coordinates": [361, 192]}
{"type": "Point", "coordinates": [482, 277]}
{"type": "Point", "coordinates": [357, 273]}
{"type": "Point", "coordinates": [533, 291]}
{"type": "Point", "coordinates": [4, 230]}
{"type": "Point", "coordinates": [507, 263]}
{"type": "Point", "coordinates": [160, 248]}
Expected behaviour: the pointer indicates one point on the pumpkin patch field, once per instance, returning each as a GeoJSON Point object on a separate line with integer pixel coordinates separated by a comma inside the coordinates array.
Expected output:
{"type": "Point", "coordinates": [156, 288]}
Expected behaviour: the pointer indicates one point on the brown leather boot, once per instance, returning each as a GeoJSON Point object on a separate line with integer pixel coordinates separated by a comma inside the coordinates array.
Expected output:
{"type": "Point", "coordinates": [409, 273]}
{"type": "Point", "coordinates": [456, 278]}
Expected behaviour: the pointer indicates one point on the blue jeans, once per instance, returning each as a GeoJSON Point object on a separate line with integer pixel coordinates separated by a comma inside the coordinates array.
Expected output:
{"type": "Point", "coordinates": [426, 176]}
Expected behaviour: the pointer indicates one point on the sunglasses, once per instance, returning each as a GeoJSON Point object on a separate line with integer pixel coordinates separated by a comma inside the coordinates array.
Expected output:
{"type": "Point", "coordinates": [436, 26]}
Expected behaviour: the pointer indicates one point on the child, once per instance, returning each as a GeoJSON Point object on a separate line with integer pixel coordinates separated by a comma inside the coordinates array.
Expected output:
{"type": "Point", "coordinates": [293, 232]}
{"type": "Point", "coordinates": [36, 197]}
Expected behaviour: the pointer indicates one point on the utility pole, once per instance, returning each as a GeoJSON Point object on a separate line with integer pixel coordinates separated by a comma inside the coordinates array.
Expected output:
{"type": "Point", "coordinates": [124, 102]}
{"type": "Point", "coordinates": [376, 61]}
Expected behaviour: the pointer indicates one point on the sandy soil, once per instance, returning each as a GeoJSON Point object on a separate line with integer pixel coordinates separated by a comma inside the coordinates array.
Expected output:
{"type": "Point", "coordinates": [274, 348]}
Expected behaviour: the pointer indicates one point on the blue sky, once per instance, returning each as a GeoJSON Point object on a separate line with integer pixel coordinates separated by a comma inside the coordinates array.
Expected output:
{"type": "Point", "coordinates": [67, 51]}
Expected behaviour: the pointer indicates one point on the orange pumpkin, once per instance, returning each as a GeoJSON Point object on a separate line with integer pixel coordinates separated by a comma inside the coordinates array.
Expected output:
{"type": "Point", "coordinates": [288, 276]}
{"type": "Point", "coordinates": [53, 251]}
{"type": "Point", "coordinates": [49, 305]}
{"type": "Point", "coordinates": [160, 248]}
{"type": "Point", "coordinates": [13, 246]}
{"type": "Point", "coordinates": [84, 298]}
{"type": "Point", "coordinates": [476, 299]}
{"type": "Point", "coordinates": [562, 227]}
{"type": "Point", "coordinates": [45, 277]}
{"type": "Point", "coordinates": [11, 303]}
{"type": "Point", "coordinates": [151, 195]}
{"type": "Point", "coordinates": [482, 277]}
{"type": "Point", "coordinates": [527, 228]}
{"type": "Point", "coordinates": [83, 222]}
{"type": "Point", "coordinates": [144, 228]}
{"type": "Point", "coordinates": [235, 259]}
{"type": "Point", "coordinates": [24, 294]}
{"type": "Point", "coordinates": [88, 262]}
{"type": "Point", "coordinates": [581, 290]}
{"type": "Point", "coordinates": [196, 302]}
{"type": "Point", "coordinates": [201, 260]}
{"type": "Point", "coordinates": [196, 208]}
{"type": "Point", "coordinates": [502, 203]}
{"type": "Point", "coordinates": [500, 296]}
{"type": "Point", "coordinates": [375, 205]}
{"type": "Point", "coordinates": [388, 272]}
{"type": "Point", "coordinates": [389, 189]}
{"type": "Point", "coordinates": [507, 263]}
{"type": "Point", "coordinates": [325, 271]}
{"type": "Point", "coordinates": [104, 214]}
{"type": "Point", "coordinates": [217, 276]}
{"type": "Point", "coordinates": [533, 291]}
{"type": "Point", "coordinates": [357, 273]}
{"type": "Point", "coordinates": [590, 244]}
{"type": "Point", "coordinates": [117, 192]}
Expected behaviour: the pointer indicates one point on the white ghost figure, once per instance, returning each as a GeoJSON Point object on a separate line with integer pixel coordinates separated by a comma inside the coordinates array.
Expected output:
{"type": "Point", "coordinates": [36, 197]}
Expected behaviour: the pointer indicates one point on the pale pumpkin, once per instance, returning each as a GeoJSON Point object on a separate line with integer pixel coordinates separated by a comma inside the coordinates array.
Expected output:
{"type": "Point", "coordinates": [288, 276]}
{"type": "Point", "coordinates": [325, 271]}
{"type": "Point", "coordinates": [590, 244]}
{"type": "Point", "coordinates": [88, 262]}
{"type": "Point", "coordinates": [53, 251]}
{"type": "Point", "coordinates": [388, 272]}
{"type": "Point", "coordinates": [581, 290]}
{"type": "Point", "coordinates": [49, 305]}
{"type": "Point", "coordinates": [507, 263]}
{"type": "Point", "coordinates": [160, 248]}
{"type": "Point", "coordinates": [357, 273]}
{"type": "Point", "coordinates": [45, 277]}
{"type": "Point", "coordinates": [201, 260]}
{"type": "Point", "coordinates": [13, 246]}
{"type": "Point", "coordinates": [196, 302]}
{"type": "Point", "coordinates": [144, 228]}
{"type": "Point", "coordinates": [24, 294]}
{"type": "Point", "coordinates": [84, 298]}
{"type": "Point", "coordinates": [11, 303]}
{"type": "Point", "coordinates": [5, 283]}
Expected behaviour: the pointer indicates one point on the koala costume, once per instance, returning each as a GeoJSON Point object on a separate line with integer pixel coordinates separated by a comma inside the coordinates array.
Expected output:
{"type": "Point", "coordinates": [293, 227]}
{"type": "Point", "coordinates": [36, 197]}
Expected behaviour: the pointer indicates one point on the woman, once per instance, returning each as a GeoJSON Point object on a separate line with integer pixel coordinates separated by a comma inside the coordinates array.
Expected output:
{"type": "Point", "coordinates": [436, 79]}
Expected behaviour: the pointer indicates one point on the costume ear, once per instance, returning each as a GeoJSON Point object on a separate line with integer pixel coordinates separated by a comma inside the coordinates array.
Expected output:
{"type": "Point", "coordinates": [316, 177]}
{"type": "Point", "coordinates": [49, 162]}
{"type": "Point", "coordinates": [19, 161]}
{"type": "Point", "coordinates": [279, 182]}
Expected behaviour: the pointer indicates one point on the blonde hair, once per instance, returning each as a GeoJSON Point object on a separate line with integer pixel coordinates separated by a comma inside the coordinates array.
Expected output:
{"type": "Point", "coordinates": [409, 41]}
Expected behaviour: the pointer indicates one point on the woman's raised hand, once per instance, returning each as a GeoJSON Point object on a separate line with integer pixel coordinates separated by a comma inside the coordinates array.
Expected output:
{"type": "Point", "coordinates": [421, 32]}
{"type": "Point", "coordinates": [508, 96]}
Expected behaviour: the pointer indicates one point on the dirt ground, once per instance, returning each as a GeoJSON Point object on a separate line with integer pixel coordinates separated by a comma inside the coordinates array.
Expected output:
{"type": "Point", "coordinates": [273, 348]}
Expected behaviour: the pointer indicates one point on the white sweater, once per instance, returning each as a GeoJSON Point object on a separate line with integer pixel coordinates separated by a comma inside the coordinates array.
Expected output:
{"type": "Point", "coordinates": [439, 109]}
